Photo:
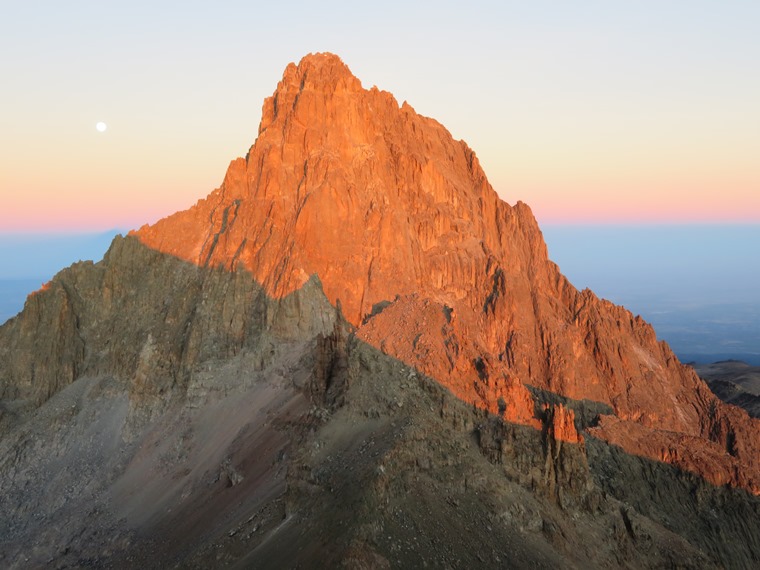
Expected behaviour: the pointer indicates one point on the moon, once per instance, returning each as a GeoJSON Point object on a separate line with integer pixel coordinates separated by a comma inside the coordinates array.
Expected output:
{"type": "Point", "coordinates": [101, 126]}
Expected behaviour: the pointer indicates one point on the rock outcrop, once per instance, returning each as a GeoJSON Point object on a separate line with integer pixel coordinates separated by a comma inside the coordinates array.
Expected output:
{"type": "Point", "coordinates": [354, 351]}
{"type": "Point", "coordinates": [404, 231]}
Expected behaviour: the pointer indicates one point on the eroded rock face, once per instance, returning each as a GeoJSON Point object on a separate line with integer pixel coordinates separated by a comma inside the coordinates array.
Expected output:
{"type": "Point", "coordinates": [353, 351]}
{"type": "Point", "coordinates": [389, 211]}
{"type": "Point", "coordinates": [148, 320]}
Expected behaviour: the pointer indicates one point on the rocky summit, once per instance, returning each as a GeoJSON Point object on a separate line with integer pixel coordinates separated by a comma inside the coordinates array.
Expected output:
{"type": "Point", "coordinates": [354, 354]}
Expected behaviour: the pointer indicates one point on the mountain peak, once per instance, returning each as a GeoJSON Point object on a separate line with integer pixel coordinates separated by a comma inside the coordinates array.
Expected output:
{"type": "Point", "coordinates": [355, 313]}
{"type": "Point", "coordinates": [408, 238]}
{"type": "Point", "coordinates": [320, 65]}
{"type": "Point", "coordinates": [372, 197]}
{"type": "Point", "coordinates": [322, 73]}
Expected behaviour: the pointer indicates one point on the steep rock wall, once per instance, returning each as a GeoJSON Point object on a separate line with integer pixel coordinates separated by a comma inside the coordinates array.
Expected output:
{"type": "Point", "coordinates": [383, 204]}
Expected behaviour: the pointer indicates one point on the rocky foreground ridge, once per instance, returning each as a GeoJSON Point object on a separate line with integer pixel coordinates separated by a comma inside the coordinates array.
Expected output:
{"type": "Point", "coordinates": [352, 319]}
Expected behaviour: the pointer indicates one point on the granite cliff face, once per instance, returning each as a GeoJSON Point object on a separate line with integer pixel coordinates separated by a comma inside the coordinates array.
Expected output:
{"type": "Point", "coordinates": [404, 231]}
{"type": "Point", "coordinates": [355, 316]}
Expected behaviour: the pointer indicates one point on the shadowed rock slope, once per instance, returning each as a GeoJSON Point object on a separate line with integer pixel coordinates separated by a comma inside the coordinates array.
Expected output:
{"type": "Point", "coordinates": [735, 382]}
{"type": "Point", "coordinates": [354, 353]}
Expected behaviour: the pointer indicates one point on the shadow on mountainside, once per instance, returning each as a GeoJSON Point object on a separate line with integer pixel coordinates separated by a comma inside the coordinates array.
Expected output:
{"type": "Point", "coordinates": [159, 414]}
{"type": "Point", "coordinates": [734, 382]}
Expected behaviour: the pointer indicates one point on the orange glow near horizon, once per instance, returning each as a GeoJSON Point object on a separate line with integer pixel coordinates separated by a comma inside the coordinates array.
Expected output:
{"type": "Point", "coordinates": [620, 113]}
{"type": "Point", "coordinates": [137, 200]}
{"type": "Point", "coordinates": [121, 182]}
{"type": "Point", "coordinates": [676, 203]}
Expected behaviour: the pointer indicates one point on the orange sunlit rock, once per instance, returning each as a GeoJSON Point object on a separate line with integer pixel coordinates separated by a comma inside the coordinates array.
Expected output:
{"type": "Point", "coordinates": [404, 231]}
{"type": "Point", "coordinates": [563, 425]}
{"type": "Point", "coordinates": [44, 287]}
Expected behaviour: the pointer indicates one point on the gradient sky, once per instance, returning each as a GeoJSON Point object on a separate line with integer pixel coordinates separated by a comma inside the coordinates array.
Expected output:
{"type": "Point", "coordinates": [589, 111]}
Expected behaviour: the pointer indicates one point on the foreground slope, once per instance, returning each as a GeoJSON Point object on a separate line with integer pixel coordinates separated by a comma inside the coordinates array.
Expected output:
{"type": "Point", "coordinates": [352, 319]}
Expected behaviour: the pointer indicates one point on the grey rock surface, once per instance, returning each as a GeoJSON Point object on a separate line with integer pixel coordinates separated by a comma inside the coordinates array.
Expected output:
{"type": "Point", "coordinates": [159, 415]}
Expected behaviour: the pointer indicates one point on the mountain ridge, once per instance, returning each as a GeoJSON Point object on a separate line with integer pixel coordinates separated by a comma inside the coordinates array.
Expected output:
{"type": "Point", "coordinates": [353, 344]}
{"type": "Point", "coordinates": [384, 204]}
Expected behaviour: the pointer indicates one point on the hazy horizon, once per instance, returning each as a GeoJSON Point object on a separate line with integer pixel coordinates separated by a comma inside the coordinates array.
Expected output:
{"type": "Point", "coordinates": [695, 283]}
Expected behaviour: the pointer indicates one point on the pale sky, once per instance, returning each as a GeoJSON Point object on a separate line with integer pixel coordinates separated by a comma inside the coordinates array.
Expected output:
{"type": "Point", "coordinates": [589, 111]}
